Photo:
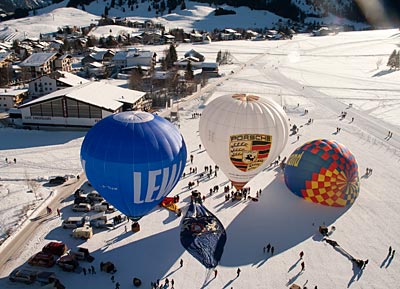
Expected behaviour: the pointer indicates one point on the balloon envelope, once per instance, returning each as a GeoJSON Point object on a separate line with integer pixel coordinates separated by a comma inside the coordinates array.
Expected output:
{"type": "Point", "coordinates": [324, 172]}
{"type": "Point", "coordinates": [133, 159]}
{"type": "Point", "coordinates": [203, 235]}
{"type": "Point", "coordinates": [243, 134]}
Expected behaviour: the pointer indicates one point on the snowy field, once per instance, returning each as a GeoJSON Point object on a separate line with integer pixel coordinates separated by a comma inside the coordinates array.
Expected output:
{"type": "Point", "coordinates": [322, 75]}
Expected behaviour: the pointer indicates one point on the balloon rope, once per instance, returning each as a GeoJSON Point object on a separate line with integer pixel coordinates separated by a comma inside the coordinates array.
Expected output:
{"type": "Point", "coordinates": [207, 278]}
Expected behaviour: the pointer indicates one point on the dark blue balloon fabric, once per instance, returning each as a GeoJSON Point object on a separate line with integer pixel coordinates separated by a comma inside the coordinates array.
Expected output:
{"type": "Point", "coordinates": [134, 160]}
{"type": "Point", "coordinates": [203, 235]}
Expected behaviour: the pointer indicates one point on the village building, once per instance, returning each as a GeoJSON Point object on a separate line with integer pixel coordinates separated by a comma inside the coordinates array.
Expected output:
{"type": "Point", "coordinates": [11, 97]}
{"type": "Point", "coordinates": [55, 81]}
{"type": "Point", "coordinates": [39, 63]}
{"type": "Point", "coordinates": [134, 57]}
{"type": "Point", "coordinates": [81, 106]}
{"type": "Point", "coordinates": [101, 56]}
{"type": "Point", "coordinates": [63, 63]}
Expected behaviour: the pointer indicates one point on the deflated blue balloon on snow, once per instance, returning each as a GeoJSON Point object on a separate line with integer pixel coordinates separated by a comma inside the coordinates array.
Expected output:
{"type": "Point", "coordinates": [133, 159]}
{"type": "Point", "coordinates": [203, 235]}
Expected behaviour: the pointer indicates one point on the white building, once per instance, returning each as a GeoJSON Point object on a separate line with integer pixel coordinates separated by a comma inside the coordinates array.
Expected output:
{"type": "Point", "coordinates": [10, 98]}
{"type": "Point", "coordinates": [55, 81]}
{"type": "Point", "coordinates": [80, 106]}
{"type": "Point", "coordinates": [134, 57]}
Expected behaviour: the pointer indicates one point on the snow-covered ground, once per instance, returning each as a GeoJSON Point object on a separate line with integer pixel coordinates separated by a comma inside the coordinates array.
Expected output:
{"type": "Point", "coordinates": [322, 75]}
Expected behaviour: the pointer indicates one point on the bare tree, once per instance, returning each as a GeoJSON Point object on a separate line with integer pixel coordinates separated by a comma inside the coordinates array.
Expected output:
{"type": "Point", "coordinates": [32, 185]}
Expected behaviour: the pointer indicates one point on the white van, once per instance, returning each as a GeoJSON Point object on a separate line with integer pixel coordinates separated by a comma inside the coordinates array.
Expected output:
{"type": "Point", "coordinates": [73, 222]}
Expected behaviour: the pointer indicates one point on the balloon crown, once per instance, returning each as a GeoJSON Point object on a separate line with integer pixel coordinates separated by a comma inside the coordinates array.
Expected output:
{"type": "Point", "coordinates": [245, 97]}
{"type": "Point", "coordinates": [133, 116]}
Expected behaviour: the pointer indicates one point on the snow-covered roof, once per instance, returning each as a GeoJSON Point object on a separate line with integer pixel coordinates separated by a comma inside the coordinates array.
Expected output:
{"type": "Point", "coordinates": [65, 56]}
{"type": "Point", "coordinates": [95, 64]}
{"type": "Point", "coordinates": [71, 79]}
{"type": "Point", "coordinates": [230, 30]}
{"type": "Point", "coordinates": [58, 41]}
{"type": "Point", "coordinates": [12, 91]}
{"type": "Point", "coordinates": [38, 59]}
{"type": "Point", "coordinates": [96, 93]}
{"type": "Point", "coordinates": [139, 53]}
{"type": "Point", "coordinates": [99, 55]}
{"type": "Point", "coordinates": [169, 36]}
{"type": "Point", "coordinates": [196, 34]}
{"type": "Point", "coordinates": [193, 52]}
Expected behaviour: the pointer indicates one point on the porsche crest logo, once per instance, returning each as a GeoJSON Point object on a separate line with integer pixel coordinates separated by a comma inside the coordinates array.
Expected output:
{"type": "Point", "coordinates": [249, 151]}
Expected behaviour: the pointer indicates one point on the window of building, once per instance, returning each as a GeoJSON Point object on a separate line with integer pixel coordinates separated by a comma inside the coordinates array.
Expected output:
{"type": "Point", "coordinates": [82, 110]}
{"type": "Point", "coordinates": [50, 108]}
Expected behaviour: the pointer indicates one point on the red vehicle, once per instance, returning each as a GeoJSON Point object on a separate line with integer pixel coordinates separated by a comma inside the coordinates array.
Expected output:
{"type": "Point", "coordinates": [55, 248]}
{"type": "Point", "coordinates": [42, 259]}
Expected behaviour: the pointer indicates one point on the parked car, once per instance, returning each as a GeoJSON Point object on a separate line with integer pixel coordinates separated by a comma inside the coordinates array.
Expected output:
{"type": "Point", "coordinates": [103, 207]}
{"type": "Point", "coordinates": [55, 248]}
{"type": "Point", "coordinates": [82, 254]}
{"type": "Point", "coordinates": [44, 277]}
{"type": "Point", "coordinates": [82, 207]}
{"type": "Point", "coordinates": [42, 259]}
{"type": "Point", "coordinates": [67, 263]}
{"type": "Point", "coordinates": [23, 275]}
{"type": "Point", "coordinates": [85, 232]}
{"type": "Point", "coordinates": [59, 180]}
{"type": "Point", "coordinates": [78, 193]}
{"type": "Point", "coordinates": [101, 224]}
{"type": "Point", "coordinates": [73, 222]}
{"type": "Point", "coordinates": [82, 199]}
{"type": "Point", "coordinates": [95, 197]}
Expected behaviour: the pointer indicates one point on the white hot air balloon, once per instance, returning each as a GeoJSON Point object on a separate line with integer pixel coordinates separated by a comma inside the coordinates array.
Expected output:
{"type": "Point", "coordinates": [243, 134]}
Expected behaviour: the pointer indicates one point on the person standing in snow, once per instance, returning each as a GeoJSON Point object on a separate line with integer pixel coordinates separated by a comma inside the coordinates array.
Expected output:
{"type": "Point", "coordinates": [303, 266]}
{"type": "Point", "coordinates": [238, 272]}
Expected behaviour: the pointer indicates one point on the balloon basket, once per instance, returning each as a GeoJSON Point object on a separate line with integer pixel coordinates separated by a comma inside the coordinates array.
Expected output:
{"type": "Point", "coordinates": [135, 227]}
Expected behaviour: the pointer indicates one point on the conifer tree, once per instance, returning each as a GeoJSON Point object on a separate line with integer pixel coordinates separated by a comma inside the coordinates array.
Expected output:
{"type": "Point", "coordinates": [173, 54]}
{"type": "Point", "coordinates": [392, 59]}
{"type": "Point", "coordinates": [183, 5]}
{"type": "Point", "coordinates": [218, 60]}
{"type": "Point", "coordinates": [189, 71]}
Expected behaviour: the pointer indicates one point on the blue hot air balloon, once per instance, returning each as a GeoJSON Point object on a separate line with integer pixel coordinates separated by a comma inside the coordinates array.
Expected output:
{"type": "Point", "coordinates": [133, 159]}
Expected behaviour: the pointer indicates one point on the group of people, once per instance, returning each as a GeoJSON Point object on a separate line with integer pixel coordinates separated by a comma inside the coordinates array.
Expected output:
{"type": "Point", "coordinates": [9, 162]}
{"type": "Point", "coordinates": [368, 172]}
{"type": "Point", "coordinates": [389, 135]}
{"type": "Point", "coordinates": [269, 249]}
{"type": "Point", "coordinates": [91, 270]}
